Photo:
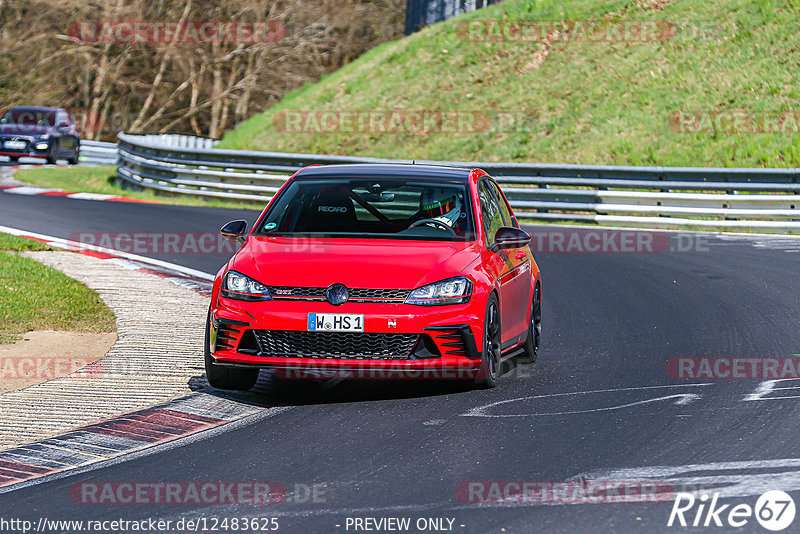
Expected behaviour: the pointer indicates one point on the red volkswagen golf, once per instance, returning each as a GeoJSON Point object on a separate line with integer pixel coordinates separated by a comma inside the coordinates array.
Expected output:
{"type": "Point", "coordinates": [380, 271]}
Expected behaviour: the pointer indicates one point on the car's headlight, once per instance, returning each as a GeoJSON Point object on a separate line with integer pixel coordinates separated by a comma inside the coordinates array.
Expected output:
{"type": "Point", "coordinates": [238, 286]}
{"type": "Point", "coordinates": [450, 291]}
{"type": "Point", "coordinates": [42, 146]}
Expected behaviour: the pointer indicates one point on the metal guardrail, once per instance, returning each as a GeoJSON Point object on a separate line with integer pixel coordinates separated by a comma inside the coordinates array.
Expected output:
{"type": "Point", "coordinates": [653, 197]}
{"type": "Point", "coordinates": [98, 153]}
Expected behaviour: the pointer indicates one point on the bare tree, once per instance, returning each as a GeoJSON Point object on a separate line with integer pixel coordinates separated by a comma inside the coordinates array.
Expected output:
{"type": "Point", "coordinates": [198, 87]}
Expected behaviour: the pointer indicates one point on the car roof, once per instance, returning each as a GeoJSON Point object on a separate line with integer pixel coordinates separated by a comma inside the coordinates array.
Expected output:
{"type": "Point", "coordinates": [384, 170]}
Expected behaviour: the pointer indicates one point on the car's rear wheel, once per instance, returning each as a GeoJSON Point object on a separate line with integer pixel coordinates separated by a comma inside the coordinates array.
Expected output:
{"type": "Point", "coordinates": [530, 350]}
{"type": "Point", "coordinates": [13, 158]}
{"type": "Point", "coordinates": [222, 377]}
{"type": "Point", "coordinates": [74, 159]}
{"type": "Point", "coordinates": [489, 370]}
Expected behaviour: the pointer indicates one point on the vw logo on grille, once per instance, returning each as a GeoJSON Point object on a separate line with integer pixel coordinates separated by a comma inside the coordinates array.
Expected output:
{"type": "Point", "coordinates": [337, 294]}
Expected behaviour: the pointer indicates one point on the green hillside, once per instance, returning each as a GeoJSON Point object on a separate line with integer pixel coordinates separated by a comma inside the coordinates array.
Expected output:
{"type": "Point", "coordinates": [570, 98]}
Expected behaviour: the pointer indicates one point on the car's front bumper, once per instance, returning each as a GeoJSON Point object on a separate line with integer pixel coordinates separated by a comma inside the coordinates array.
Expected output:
{"type": "Point", "coordinates": [447, 339]}
{"type": "Point", "coordinates": [23, 155]}
{"type": "Point", "coordinates": [30, 149]}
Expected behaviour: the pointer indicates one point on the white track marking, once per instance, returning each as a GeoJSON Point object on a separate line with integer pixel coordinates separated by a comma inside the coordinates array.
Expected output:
{"type": "Point", "coordinates": [692, 477]}
{"type": "Point", "coordinates": [768, 386]}
{"type": "Point", "coordinates": [74, 245]}
{"type": "Point", "coordinates": [786, 243]}
{"type": "Point", "coordinates": [90, 196]}
{"type": "Point", "coordinates": [709, 478]}
{"type": "Point", "coordinates": [683, 399]}
{"type": "Point", "coordinates": [28, 190]}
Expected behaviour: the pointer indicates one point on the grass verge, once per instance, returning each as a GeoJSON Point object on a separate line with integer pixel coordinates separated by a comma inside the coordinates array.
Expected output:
{"type": "Point", "coordinates": [566, 99]}
{"type": "Point", "coordinates": [34, 296]}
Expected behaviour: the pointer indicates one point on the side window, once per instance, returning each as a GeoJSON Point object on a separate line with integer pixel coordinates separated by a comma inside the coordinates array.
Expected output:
{"type": "Point", "coordinates": [491, 214]}
{"type": "Point", "coordinates": [508, 218]}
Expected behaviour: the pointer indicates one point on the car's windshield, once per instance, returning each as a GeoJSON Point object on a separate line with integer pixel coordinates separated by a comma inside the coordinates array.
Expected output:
{"type": "Point", "coordinates": [379, 207]}
{"type": "Point", "coordinates": [29, 118]}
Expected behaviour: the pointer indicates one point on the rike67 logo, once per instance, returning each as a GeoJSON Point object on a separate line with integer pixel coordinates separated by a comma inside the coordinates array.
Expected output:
{"type": "Point", "coordinates": [774, 510]}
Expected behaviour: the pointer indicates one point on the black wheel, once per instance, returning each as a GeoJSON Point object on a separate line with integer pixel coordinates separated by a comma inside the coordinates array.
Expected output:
{"type": "Point", "coordinates": [13, 158]}
{"type": "Point", "coordinates": [52, 157]}
{"type": "Point", "coordinates": [74, 159]}
{"type": "Point", "coordinates": [222, 377]}
{"type": "Point", "coordinates": [489, 371]}
{"type": "Point", "coordinates": [530, 350]}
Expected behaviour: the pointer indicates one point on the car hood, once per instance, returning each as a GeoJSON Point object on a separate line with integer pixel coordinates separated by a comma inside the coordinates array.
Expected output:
{"type": "Point", "coordinates": [358, 263]}
{"type": "Point", "coordinates": [13, 129]}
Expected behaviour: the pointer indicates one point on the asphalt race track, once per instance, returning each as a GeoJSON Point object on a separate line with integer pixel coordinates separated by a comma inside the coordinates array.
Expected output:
{"type": "Point", "coordinates": [598, 406]}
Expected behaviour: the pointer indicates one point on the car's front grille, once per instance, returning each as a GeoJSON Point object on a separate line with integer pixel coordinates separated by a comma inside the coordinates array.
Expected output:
{"type": "Point", "coordinates": [356, 294]}
{"type": "Point", "coordinates": [367, 295]}
{"type": "Point", "coordinates": [4, 148]}
{"type": "Point", "coordinates": [290, 293]}
{"type": "Point", "coordinates": [349, 345]}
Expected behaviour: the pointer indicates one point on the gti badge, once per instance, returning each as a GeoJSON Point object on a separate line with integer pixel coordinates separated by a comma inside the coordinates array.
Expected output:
{"type": "Point", "coordinates": [391, 323]}
{"type": "Point", "coordinates": [337, 294]}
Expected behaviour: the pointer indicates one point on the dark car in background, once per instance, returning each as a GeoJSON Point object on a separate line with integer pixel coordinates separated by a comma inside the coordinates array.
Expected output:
{"type": "Point", "coordinates": [39, 132]}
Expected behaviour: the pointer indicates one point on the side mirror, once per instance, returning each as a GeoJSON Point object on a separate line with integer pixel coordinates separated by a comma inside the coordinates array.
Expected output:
{"type": "Point", "coordinates": [510, 237]}
{"type": "Point", "coordinates": [234, 231]}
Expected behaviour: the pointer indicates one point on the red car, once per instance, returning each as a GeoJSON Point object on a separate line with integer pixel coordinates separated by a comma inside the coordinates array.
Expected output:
{"type": "Point", "coordinates": [382, 271]}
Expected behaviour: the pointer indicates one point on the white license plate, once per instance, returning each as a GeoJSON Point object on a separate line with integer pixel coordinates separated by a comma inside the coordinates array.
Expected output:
{"type": "Point", "coordinates": [335, 322]}
{"type": "Point", "coordinates": [14, 144]}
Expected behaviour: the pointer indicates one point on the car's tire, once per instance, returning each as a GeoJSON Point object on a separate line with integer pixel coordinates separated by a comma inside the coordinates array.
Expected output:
{"type": "Point", "coordinates": [489, 371]}
{"type": "Point", "coordinates": [530, 349]}
{"type": "Point", "coordinates": [13, 159]}
{"type": "Point", "coordinates": [222, 377]}
{"type": "Point", "coordinates": [74, 160]}
{"type": "Point", "coordinates": [52, 157]}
